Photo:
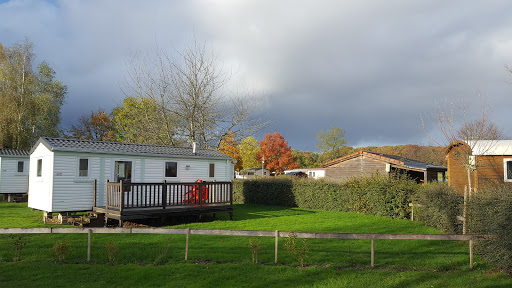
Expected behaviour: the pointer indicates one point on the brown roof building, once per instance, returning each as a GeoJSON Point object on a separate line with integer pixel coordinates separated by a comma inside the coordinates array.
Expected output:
{"type": "Point", "coordinates": [489, 162]}
{"type": "Point", "coordinates": [364, 163]}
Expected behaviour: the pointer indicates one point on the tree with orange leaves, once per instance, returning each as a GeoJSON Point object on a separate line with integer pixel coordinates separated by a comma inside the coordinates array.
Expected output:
{"type": "Point", "coordinates": [96, 126]}
{"type": "Point", "coordinates": [277, 153]}
{"type": "Point", "coordinates": [229, 147]}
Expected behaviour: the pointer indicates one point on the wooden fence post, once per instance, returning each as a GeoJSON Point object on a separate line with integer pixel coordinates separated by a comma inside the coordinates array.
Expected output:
{"type": "Point", "coordinates": [373, 253]}
{"type": "Point", "coordinates": [471, 254]}
{"type": "Point", "coordinates": [186, 244]}
{"type": "Point", "coordinates": [277, 242]}
{"type": "Point", "coordinates": [89, 239]}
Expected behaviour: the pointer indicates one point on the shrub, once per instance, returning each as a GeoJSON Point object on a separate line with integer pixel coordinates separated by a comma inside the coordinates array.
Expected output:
{"type": "Point", "coordinates": [297, 249]}
{"type": "Point", "coordinates": [254, 244]}
{"type": "Point", "coordinates": [163, 256]}
{"type": "Point", "coordinates": [18, 244]}
{"type": "Point", "coordinates": [112, 251]}
{"type": "Point", "coordinates": [377, 195]}
{"type": "Point", "coordinates": [440, 207]}
{"type": "Point", "coordinates": [61, 250]}
{"type": "Point", "coordinates": [489, 213]}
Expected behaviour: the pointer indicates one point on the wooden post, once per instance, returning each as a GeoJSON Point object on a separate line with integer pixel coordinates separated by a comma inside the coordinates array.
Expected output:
{"type": "Point", "coordinates": [471, 254]}
{"type": "Point", "coordinates": [95, 192]}
{"type": "Point", "coordinates": [231, 193]}
{"type": "Point", "coordinates": [277, 242]}
{"type": "Point", "coordinates": [186, 244]}
{"type": "Point", "coordinates": [464, 210]}
{"type": "Point", "coordinates": [121, 198]}
{"type": "Point", "coordinates": [107, 196]}
{"type": "Point", "coordinates": [373, 253]}
{"type": "Point", "coordinates": [89, 237]}
{"type": "Point", "coordinates": [164, 194]}
{"type": "Point", "coordinates": [412, 212]}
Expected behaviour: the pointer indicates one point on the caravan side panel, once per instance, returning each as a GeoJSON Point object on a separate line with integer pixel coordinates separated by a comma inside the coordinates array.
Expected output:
{"type": "Point", "coordinates": [40, 180]}
{"type": "Point", "coordinates": [72, 191]}
{"type": "Point", "coordinates": [12, 181]}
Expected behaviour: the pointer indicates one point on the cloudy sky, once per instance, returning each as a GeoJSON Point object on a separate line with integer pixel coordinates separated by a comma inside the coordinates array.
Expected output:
{"type": "Point", "coordinates": [368, 67]}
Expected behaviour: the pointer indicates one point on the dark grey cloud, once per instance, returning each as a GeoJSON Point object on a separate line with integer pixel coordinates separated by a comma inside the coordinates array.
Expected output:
{"type": "Point", "coordinates": [368, 67]}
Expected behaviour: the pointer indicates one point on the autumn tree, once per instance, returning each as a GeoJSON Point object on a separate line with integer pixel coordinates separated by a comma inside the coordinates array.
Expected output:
{"type": "Point", "coordinates": [190, 89]}
{"type": "Point", "coordinates": [94, 126]}
{"type": "Point", "coordinates": [276, 153]}
{"type": "Point", "coordinates": [31, 99]}
{"type": "Point", "coordinates": [249, 150]}
{"type": "Point", "coordinates": [229, 147]}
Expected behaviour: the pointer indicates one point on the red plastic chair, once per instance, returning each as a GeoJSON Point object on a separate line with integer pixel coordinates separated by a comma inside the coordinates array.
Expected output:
{"type": "Point", "coordinates": [192, 196]}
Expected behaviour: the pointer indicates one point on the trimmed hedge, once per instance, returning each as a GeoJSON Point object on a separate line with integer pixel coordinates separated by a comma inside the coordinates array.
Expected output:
{"type": "Point", "coordinates": [490, 212]}
{"type": "Point", "coordinates": [440, 207]}
{"type": "Point", "coordinates": [377, 195]}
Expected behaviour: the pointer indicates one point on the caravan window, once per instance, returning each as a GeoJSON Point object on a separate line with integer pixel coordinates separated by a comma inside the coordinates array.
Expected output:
{"type": "Point", "coordinates": [171, 169]}
{"type": "Point", "coordinates": [211, 173]}
{"type": "Point", "coordinates": [507, 167]}
{"type": "Point", "coordinates": [123, 171]}
{"type": "Point", "coordinates": [21, 167]}
{"type": "Point", "coordinates": [39, 167]}
{"type": "Point", "coordinates": [83, 167]}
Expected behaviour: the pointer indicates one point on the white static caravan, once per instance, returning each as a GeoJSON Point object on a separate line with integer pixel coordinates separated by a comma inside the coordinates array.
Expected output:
{"type": "Point", "coordinates": [62, 171]}
{"type": "Point", "coordinates": [14, 171]}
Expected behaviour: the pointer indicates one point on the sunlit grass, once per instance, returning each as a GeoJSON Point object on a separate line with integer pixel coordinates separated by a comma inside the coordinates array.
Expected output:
{"type": "Point", "coordinates": [149, 260]}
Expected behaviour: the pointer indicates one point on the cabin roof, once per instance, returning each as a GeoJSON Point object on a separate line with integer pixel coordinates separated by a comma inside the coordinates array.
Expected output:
{"type": "Point", "coordinates": [486, 147]}
{"type": "Point", "coordinates": [104, 147]}
{"type": "Point", "coordinates": [14, 152]}
{"type": "Point", "coordinates": [389, 158]}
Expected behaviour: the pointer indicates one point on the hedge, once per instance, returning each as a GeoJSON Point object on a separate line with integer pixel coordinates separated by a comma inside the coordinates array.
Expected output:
{"type": "Point", "coordinates": [377, 195]}
{"type": "Point", "coordinates": [490, 212]}
{"type": "Point", "coordinates": [440, 206]}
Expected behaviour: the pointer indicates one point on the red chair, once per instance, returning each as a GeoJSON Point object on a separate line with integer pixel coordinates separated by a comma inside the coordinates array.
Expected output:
{"type": "Point", "coordinates": [192, 196]}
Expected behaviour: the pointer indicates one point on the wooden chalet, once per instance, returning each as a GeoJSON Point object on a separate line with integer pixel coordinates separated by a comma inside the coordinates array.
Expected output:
{"type": "Point", "coordinates": [364, 163]}
{"type": "Point", "coordinates": [128, 181]}
{"type": "Point", "coordinates": [489, 162]}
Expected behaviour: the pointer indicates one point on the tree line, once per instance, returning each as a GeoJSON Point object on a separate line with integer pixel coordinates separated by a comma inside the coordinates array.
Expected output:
{"type": "Point", "coordinates": [31, 98]}
{"type": "Point", "coordinates": [170, 100]}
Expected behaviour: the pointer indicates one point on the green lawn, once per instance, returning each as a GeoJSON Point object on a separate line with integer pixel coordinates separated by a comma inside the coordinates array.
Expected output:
{"type": "Point", "coordinates": [225, 261]}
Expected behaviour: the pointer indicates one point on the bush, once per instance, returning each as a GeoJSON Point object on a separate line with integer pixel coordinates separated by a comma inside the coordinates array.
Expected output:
{"type": "Point", "coordinates": [61, 250]}
{"type": "Point", "coordinates": [376, 195]}
{"type": "Point", "coordinates": [489, 213]}
{"type": "Point", "coordinates": [440, 207]}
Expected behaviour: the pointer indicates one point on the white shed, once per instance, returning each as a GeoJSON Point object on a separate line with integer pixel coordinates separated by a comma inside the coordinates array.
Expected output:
{"type": "Point", "coordinates": [62, 171]}
{"type": "Point", "coordinates": [14, 171]}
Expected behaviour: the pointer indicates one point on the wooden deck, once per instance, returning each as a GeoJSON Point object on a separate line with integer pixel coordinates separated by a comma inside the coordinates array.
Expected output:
{"type": "Point", "coordinates": [132, 201]}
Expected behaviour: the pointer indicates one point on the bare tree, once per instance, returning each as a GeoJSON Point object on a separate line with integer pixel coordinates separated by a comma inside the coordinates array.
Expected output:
{"type": "Point", "coordinates": [470, 134]}
{"type": "Point", "coordinates": [192, 96]}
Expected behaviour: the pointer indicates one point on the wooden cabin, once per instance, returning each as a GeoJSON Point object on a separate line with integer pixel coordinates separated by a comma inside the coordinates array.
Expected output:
{"type": "Point", "coordinates": [364, 163]}
{"type": "Point", "coordinates": [14, 172]}
{"type": "Point", "coordinates": [126, 181]}
{"type": "Point", "coordinates": [489, 162]}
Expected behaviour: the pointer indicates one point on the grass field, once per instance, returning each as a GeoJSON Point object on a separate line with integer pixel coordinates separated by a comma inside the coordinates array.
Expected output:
{"type": "Point", "coordinates": [225, 261]}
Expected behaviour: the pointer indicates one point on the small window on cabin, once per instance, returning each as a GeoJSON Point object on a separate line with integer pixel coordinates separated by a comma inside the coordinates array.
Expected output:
{"type": "Point", "coordinates": [39, 167]}
{"type": "Point", "coordinates": [211, 173]}
{"type": "Point", "coordinates": [171, 169]}
{"type": "Point", "coordinates": [83, 167]}
{"type": "Point", "coordinates": [508, 169]}
{"type": "Point", "coordinates": [21, 166]}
